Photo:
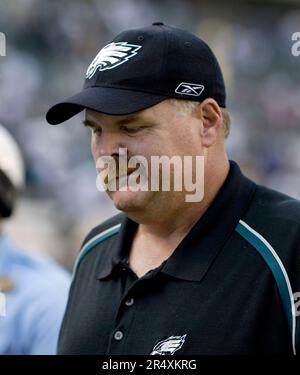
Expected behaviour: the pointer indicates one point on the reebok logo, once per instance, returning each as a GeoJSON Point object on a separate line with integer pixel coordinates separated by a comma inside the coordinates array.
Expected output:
{"type": "Point", "coordinates": [193, 89]}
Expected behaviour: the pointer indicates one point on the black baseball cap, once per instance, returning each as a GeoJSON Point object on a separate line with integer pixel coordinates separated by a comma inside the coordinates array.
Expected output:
{"type": "Point", "coordinates": [141, 67]}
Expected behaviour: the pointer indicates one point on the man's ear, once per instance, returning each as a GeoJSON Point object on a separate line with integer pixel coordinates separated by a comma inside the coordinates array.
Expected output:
{"type": "Point", "coordinates": [210, 115]}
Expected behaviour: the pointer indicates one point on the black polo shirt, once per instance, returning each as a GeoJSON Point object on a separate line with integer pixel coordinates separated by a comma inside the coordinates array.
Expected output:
{"type": "Point", "coordinates": [220, 292]}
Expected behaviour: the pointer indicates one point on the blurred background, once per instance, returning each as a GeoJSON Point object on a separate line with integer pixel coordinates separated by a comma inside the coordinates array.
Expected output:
{"type": "Point", "coordinates": [49, 45]}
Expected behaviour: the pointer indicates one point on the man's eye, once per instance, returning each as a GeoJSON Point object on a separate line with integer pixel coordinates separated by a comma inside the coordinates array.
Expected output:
{"type": "Point", "coordinates": [129, 130]}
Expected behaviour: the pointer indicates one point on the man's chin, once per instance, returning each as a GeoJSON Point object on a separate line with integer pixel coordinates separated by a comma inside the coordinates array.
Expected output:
{"type": "Point", "coordinates": [129, 201]}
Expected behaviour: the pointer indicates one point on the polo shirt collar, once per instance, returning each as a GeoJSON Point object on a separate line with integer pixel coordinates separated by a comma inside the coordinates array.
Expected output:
{"type": "Point", "coordinates": [197, 251]}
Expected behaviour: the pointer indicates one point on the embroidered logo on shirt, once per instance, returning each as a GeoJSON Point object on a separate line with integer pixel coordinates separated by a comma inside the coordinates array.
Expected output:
{"type": "Point", "coordinates": [168, 346]}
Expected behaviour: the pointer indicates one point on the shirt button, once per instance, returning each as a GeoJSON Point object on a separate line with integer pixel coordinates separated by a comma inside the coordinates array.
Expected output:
{"type": "Point", "coordinates": [129, 302]}
{"type": "Point", "coordinates": [118, 335]}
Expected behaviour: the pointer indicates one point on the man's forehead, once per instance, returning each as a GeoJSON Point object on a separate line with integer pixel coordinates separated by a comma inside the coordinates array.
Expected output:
{"type": "Point", "coordinates": [101, 118]}
{"type": "Point", "coordinates": [146, 114]}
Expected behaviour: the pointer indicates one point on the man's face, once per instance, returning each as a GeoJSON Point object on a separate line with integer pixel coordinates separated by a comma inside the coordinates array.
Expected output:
{"type": "Point", "coordinates": [156, 131]}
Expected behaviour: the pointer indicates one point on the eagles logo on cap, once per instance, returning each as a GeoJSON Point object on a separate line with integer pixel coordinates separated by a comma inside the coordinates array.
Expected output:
{"type": "Point", "coordinates": [111, 56]}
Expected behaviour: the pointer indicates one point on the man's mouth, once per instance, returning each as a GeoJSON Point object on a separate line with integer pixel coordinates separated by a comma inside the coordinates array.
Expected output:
{"type": "Point", "coordinates": [129, 172]}
{"type": "Point", "coordinates": [119, 179]}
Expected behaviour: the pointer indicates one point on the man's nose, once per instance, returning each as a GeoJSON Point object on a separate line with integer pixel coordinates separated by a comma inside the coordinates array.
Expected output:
{"type": "Point", "coordinates": [108, 144]}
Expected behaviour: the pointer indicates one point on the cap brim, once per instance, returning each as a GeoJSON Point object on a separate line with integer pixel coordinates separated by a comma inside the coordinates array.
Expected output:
{"type": "Point", "coordinates": [111, 101]}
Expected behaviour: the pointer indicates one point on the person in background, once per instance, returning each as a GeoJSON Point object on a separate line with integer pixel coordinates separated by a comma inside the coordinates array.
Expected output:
{"type": "Point", "coordinates": [33, 289]}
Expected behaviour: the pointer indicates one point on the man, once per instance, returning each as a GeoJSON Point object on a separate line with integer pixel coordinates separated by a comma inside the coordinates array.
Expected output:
{"type": "Point", "coordinates": [170, 275]}
{"type": "Point", "coordinates": [33, 289]}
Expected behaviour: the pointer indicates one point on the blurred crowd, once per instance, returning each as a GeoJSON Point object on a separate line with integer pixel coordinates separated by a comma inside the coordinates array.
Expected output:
{"type": "Point", "coordinates": [50, 43]}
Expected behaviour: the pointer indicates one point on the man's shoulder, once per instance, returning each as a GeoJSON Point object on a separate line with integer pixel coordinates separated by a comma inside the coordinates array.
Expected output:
{"type": "Point", "coordinates": [111, 225]}
{"type": "Point", "coordinates": [269, 203]}
{"type": "Point", "coordinates": [273, 218]}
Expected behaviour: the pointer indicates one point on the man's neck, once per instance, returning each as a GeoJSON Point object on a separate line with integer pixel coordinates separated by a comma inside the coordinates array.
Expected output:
{"type": "Point", "coordinates": [156, 240]}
